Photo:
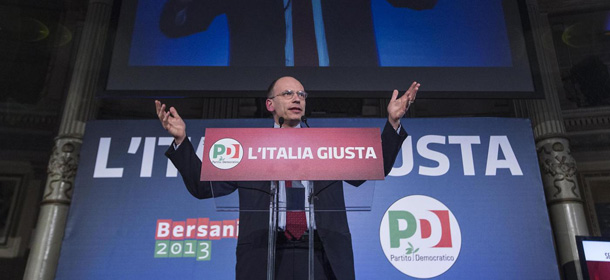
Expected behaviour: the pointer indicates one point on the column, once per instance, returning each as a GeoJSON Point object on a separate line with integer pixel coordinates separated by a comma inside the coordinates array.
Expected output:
{"type": "Point", "coordinates": [557, 165]}
{"type": "Point", "coordinates": [79, 107]}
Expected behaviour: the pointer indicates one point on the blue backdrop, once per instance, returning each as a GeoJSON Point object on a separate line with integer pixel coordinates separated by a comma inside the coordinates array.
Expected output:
{"type": "Point", "coordinates": [124, 187]}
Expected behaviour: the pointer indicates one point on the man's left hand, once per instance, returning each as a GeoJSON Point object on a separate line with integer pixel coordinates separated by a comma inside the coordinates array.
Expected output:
{"type": "Point", "coordinates": [399, 106]}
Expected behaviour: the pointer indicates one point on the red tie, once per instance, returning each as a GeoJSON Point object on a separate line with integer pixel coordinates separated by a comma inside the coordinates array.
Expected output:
{"type": "Point", "coordinates": [304, 34]}
{"type": "Point", "coordinates": [296, 222]}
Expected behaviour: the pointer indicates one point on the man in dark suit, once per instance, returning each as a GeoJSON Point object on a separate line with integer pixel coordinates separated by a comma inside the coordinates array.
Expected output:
{"type": "Point", "coordinates": [257, 28]}
{"type": "Point", "coordinates": [286, 101]}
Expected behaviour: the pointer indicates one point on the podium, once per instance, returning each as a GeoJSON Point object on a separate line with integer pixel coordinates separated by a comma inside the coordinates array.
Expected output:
{"type": "Point", "coordinates": [247, 169]}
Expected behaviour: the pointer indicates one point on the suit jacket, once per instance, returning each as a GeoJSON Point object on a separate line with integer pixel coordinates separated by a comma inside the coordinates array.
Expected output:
{"type": "Point", "coordinates": [332, 226]}
{"type": "Point", "coordinates": [257, 28]}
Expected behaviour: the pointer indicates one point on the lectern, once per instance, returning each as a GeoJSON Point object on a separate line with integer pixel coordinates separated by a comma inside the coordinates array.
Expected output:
{"type": "Point", "coordinates": [247, 168]}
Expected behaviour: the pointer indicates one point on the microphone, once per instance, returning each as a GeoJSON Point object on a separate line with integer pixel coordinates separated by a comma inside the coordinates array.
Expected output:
{"type": "Point", "coordinates": [281, 121]}
{"type": "Point", "coordinates": [304, 120]}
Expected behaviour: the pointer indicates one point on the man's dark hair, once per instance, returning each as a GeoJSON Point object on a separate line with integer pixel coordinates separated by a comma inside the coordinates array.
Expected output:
{"type": "Point", "coordinates": [270, 88]}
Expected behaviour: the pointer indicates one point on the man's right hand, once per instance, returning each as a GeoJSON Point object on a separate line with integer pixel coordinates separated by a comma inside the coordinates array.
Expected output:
{"type": "Point", "coordinates": [172, 122]}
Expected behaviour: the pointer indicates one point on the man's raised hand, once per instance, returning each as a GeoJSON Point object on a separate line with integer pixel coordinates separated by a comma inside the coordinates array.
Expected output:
{"type": "Point", "coordinates": [399, 106]}
{"type": "Point", "coordinates": [171, 121]}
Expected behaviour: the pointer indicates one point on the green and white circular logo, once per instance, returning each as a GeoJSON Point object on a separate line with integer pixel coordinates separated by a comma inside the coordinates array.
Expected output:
{"type": "Point", "coordinates": [420, 236]}
{"type": "Point", "coordinates": [226, 153]}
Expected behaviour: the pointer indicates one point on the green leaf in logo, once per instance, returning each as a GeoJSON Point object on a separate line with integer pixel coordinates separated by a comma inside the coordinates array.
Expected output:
{"type": "Point", "coordinates": [411, 250]}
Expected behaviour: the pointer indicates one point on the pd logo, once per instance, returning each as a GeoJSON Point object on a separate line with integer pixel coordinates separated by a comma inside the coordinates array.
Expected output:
{"type": "Point", "coordinates": [420, 236]}
{"type": "Point", "coordinates": [226, 153]}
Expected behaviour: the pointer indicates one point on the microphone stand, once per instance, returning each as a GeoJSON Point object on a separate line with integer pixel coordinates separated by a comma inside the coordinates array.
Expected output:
{"type": "Point", "coordinates": [272, 231]}
{"type": "Point", "coordinates": [310, 224]}
{"type": "Point", "coordinates": [273, 216]}
{"type": "Point", "coordinates": [310, 228]}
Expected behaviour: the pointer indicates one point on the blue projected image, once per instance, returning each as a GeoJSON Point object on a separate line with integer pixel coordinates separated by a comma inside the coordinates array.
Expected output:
{"type": "Point", "coordinates": [149, 47]}
{"type": "Point", "coordinates": [447, 33]}
{"type": "Point", "coordinates": [453, 34]}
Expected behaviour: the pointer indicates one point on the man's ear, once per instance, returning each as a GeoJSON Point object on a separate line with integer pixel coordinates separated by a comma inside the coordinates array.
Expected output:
{"type": "Point", "coordinates": [269, 105]}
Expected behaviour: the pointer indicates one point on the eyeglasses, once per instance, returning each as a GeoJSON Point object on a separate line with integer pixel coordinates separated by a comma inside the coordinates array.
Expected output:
{"type": "Point", "coordinates": [289, 94]}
